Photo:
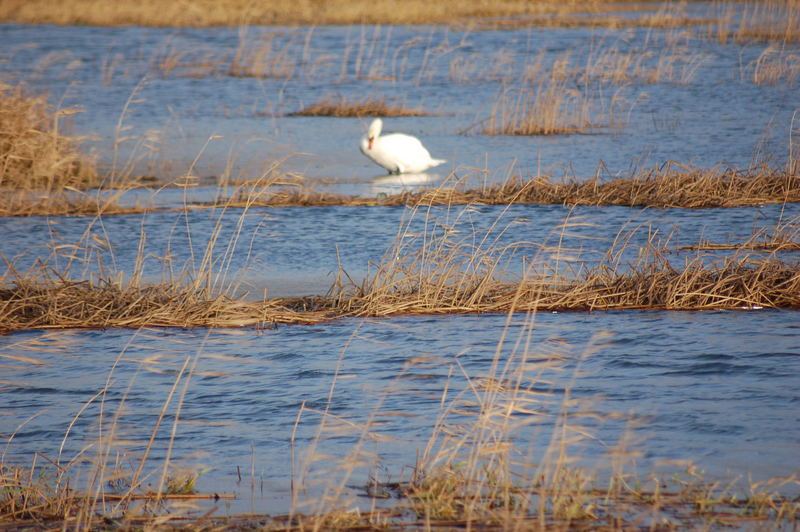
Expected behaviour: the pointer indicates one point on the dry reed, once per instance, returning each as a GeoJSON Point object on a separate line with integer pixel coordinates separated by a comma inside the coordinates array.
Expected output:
{"type": "Point", "coordinates": [35, 152]}
{"type": "Point", "coordinates": [670, 186]}
{"type": "Point", "coordinates": [552, 107]}
{"type": "Point", "coordinates": [63, 203]}
{"type": "Point", "coordinates": [775, 66]}
{"type": "Point", "coordinates": [261, 58]}
{"type": "Point", "coordinates": [669, 15]}
{"type": "Point", "coordinates": [450, 276]}
{"type": "Point", "coordinates": [768, 20]}
{"type": "Point", "coordinates": [785, 236]}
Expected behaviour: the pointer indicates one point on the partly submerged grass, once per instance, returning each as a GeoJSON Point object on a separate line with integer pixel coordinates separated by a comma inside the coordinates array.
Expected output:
{"type": "Point", "coordinates": [366, 107]}
{"type": "Point", "coordinates": [62, 203]}
{"type": "Point", "coordinates": [441, 276]}
{"type": "Point", "coordinates": [672, 185]}
{"type": "Point", "coordinates": [785, 236]}
{"type": "Point", "coordinates": [763, 21]}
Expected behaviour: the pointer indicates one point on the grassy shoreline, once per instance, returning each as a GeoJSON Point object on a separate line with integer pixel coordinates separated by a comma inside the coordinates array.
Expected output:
{"type": "Point", "coordinates": [304, 12]}
{"type": "Point", "coordinates": [733, 283]}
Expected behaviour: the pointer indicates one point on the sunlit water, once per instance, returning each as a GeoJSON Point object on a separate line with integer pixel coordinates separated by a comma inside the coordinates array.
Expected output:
{"type": "Point", "coordinates": [716, 388]}
{"type": "Point", "coordinates": [174, 89]}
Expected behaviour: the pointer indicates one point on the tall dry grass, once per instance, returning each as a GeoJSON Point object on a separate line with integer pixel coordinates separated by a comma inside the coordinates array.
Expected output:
{"type": "Point", "coordinates": [775, 66]}
{"type": "Point", "coordinates": [766, 21]}
{"type": "Point", "coordinates": [36, 151]}
{"type": "Point", "coordinates": [503, 453]}
{"type": "Point", "coordinates": [234, 12]}
{"type": "Point", "coordinates": [784, 236]}
{"type": "Point", "coordinates": [552, 106]}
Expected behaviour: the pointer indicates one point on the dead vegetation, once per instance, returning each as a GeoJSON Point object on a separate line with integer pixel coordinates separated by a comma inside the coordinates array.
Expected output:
{"type": "Point", "coordinates": [673, 185]}
{"type": "Point", "coordinates": [428, 274]}
{"type": "Point", "coordinates": [549, 110]}
{"type": "Point", "coordinates": [552, 107]}
{"type": "Point", "coordinates": [785, 236]}
{"type": "Point", "coordinates": [63, 203]}
{"type": "Point", "coordinates": [776, 65]}
{"type": "Point", "coordinates": [767, 21]}
{"type": "Point", "coordinates": [367, 107]}
{"type": "Point", "coordinates": [447, 273]}
{"type": "Point", "coordinates": [234, 12]}
{"type": "Point", "coordinates": [668, 15]}
{"type": "Point", "coordinates": [64, 304]}
{"type": "Point", "coordinates": [35, 151]}
{"type": "Point", "coordinates": [487, 463]}
{"type": "Point", "coordinates": [670, 186]}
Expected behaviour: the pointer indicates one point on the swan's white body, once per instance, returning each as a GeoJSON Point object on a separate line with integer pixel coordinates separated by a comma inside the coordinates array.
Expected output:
{"type": "Point", "coordinates": [396, 152]}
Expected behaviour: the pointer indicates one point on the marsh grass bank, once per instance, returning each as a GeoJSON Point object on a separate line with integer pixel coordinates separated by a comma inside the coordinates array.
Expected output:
{"type": "Point", "coordinates": [232, 12]}
{"type": "Point", "coordinates": [440, 277]}
{"type": "Point", "coordinates": [671, 185]}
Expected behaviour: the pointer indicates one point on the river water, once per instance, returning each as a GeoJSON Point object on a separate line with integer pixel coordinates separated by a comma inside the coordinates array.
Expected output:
{"type": "Point", "coordinates": [720, 389]}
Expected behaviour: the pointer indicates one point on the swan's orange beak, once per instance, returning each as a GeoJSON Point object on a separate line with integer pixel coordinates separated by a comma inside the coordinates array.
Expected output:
{"type": "Point", "coordinates": [371, 140]}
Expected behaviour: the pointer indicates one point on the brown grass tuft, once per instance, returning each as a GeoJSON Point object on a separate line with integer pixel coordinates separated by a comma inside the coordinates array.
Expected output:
{"type": "Point", "coordinates": [551, 108]}
{"type": "Point", "coordinates": [62, 203]}
{"type": "Point", "coordinates": [34, 151]}
{"type": "Point", "coordinates": [366, 107]}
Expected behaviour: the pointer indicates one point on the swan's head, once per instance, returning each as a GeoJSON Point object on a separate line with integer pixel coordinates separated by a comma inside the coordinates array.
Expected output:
{"type": "Point", "coordinates": [374, 131]}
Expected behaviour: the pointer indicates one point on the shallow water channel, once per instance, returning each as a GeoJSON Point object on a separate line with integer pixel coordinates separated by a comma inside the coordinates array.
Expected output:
{"type": "Point", "coordinates": [720, 389]}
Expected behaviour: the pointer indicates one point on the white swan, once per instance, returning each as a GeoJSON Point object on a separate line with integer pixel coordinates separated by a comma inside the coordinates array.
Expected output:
{"type": "Point", "coordinates": [396, 152]}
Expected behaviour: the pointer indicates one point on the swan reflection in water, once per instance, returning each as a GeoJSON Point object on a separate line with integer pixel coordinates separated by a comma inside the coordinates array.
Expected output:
{"type": "Point", "coordinates": [397, 183]}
